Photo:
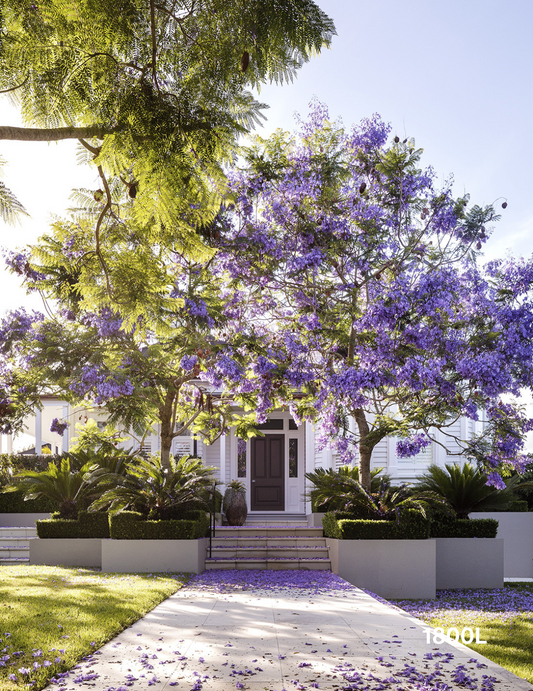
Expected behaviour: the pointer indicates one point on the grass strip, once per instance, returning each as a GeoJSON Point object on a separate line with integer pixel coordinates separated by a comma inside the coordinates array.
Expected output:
{"type": "Point", "coordinates": [50, 616]}
{"type": "Point", "coordinates": [504, 618]}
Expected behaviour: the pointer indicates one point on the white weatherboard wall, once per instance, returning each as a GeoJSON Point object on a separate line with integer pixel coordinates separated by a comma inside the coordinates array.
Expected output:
{"type": "Point", "coordinates": [516, 529]}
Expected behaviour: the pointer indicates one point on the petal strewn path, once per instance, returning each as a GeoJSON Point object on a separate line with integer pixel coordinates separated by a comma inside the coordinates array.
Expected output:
{"type": "Point", "coordinates": [275, 630]}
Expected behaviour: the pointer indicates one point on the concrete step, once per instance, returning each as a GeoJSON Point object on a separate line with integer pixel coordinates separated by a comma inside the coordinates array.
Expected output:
{"type": "Point", "coordinates": [269, 552]}
{"type": "Point", "coordinates": [272, 541]}
{"type": "Point", "coordinates": [268, 531]}
{"type": "Point", "coordinates": [8, 561]}
{"type": "Point", "coordinates": [14, 551]}
{"type": "Point", "coordinates": [281, 563]}
{"type": "Point", "coordinates": [21, 532]}
{"type": "Point", "coordinates": [276, 519]}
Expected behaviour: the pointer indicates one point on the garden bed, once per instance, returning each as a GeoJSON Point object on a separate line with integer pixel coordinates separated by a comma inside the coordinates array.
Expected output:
{"type": "Point", "coordinates": [469, 562]}
{"type": "Point", "coordinates": [66, 552]}
{"type": "Point", "coordinates": [389, 568]}
{"type": "Point", "coordinates": [145, 556]}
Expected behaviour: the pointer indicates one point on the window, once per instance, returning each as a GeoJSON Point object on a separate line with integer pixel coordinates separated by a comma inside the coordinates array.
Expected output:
{"type": "Point", "coordinates": [293, 457]}
{"type": "Point", "coordinates": [271, 424]}
{"type": "Point", "coordinates": [292, 425]}
{"type": "Point", "coordinates": [241, 458]}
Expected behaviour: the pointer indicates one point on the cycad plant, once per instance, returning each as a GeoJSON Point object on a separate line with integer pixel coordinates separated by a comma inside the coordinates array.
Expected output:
{"type": "Point", "coordinates": [465, 488]}
{"type": "Point", "coordinates": [341, 491]}
{"type": "Point", "coordinates": [157, 493]}
{"type": "Point", "coordinates": [332, 487]}
{"type": "Point", "coordinates": [69, 488]}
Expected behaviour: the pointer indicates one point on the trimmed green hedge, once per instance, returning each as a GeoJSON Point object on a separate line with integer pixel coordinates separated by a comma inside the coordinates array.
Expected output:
{"type": "Point", "coordinates": [13, 502]}
{"type": "Point", "coordinates": [412, 526]}
{"type": "Point", "coordinates": [129, 525]}
{"type": "Point", "coordinates": [88, 525]}
{"type": "Point", "coordinates": [446, 526]}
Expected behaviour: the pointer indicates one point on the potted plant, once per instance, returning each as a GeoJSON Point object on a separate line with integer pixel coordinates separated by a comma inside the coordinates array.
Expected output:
{"type": "Point", "coordinates": [234, 505]}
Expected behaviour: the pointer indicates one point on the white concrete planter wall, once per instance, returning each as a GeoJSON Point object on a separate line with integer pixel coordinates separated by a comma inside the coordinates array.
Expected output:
{"type": "Point", "coordinates": [314, 520]}
{"type": "Point", "coordinates": [469, 562]}
{"type": "Point", "coordinates": [516, 529]}
{"type": "Point", "coordinates": [389, 568]}
{"type": "Point", "coordinates": [21, 520]}
{"type": "Point", "coordinates": [145, 556]}
{"type": "Point", "coordinates": [66, 552]}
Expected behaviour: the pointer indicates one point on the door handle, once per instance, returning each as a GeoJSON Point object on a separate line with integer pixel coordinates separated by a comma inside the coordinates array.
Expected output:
{"type": "Point", "coordinates": [253, 480]}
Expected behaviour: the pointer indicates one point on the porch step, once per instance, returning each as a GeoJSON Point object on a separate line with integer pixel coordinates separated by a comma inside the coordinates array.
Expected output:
{"type": "Point", "coordinates": [15, 544]}
{"type": "Point", "coordinates": [317, 564]}
{"type": "Point", "coordinates": [276, 520]}
{"type": "Point", "coordinates": [264, 531]}
{"type": "Point", "coordinates": [268, 547]}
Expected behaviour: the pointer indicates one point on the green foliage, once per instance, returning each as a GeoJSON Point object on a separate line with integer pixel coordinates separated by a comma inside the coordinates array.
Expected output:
{"type": "Point", "coordinates": [360, 529]}
{"type": "Point", "coordinates": [13, 502]}
{"type": "Point", "coordinates": [10, 207]}
{"type": "Point", "coordinates": [148, 488]}
{"type": "Point", "coordinates": [61, 485]}
{"type": "Point", "coordinates": [465, 488]}
{"type": "Point", "coordinates": [343, 491]}
{"type": "Point", "coordinates": [87, 525]}
{"type": "Point", "coordinates": [413, 525]}
{"type": "Point", "coordinates": [162, 96]}
{"type": "Point", "coordinates": [330, 525]}
{"type": "Point", "coordinates": [332, 488]}
{"type": "Point", "coordinates": [130, 525]}
{"type": "Point", "coordinates": [446, 526]}
{"type": "Point", "coordinates": [14, 462]}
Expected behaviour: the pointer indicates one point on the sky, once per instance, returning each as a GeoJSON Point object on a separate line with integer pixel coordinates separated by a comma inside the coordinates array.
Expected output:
{"type": "Point", "coordinates": [455, 75]}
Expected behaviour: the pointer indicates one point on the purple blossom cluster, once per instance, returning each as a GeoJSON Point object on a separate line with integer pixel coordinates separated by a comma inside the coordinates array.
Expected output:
{"type": "Point", "coordinates": [58, 427]}
{"type": "Point", "coordinates": [20, 263]}
{"type": "Point", "coordinates": [101, 385]}
{"type": "Point", "coordinates": [406, 448]}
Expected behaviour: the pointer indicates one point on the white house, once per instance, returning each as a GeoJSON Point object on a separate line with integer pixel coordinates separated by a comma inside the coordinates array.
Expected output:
{"type": "Point", "coordinates": [272, 467]}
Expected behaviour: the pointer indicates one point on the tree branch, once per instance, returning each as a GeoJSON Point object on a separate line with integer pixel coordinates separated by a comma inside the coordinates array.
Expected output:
{"type": "Point", "coordinates": [39, 134]}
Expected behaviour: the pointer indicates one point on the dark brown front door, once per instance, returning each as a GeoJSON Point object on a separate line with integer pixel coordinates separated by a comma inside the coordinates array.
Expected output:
{"type": "Point", "coordinates": [268, 473]}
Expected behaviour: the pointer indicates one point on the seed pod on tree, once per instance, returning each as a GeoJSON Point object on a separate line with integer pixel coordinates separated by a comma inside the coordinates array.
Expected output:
{"type": "Point", "coordinates": [245, 61]}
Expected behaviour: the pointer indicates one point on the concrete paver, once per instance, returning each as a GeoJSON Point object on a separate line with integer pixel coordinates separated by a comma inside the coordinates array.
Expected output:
{"type": "Point", "coordinates": [270, 640]}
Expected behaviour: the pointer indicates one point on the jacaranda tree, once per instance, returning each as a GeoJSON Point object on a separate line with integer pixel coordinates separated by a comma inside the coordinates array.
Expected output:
{"type": "Point", "coordinates": [157, 92]}
{"type": "Point", "coordinates": [187, 321]}
{"type": "Point", "coordinates": [369, 280]}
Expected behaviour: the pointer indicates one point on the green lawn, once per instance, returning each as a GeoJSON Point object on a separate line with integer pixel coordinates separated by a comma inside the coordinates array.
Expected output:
{"type": "Point", "coordinates": [52, 616]}
{"type": "Point", "coordinates": [504, 618]}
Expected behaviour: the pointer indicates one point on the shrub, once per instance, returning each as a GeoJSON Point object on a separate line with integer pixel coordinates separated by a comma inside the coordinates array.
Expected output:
{"type": "Point", "coordinates": [130, 525]}
{"type": "Point", "coordinates": [466, 490]}
{"type": "Point", "coordinates": [444, 526]}
{"type": "Point", "coordinates": [412, 526]}
{"type": "Point", "coordinates": [333, 488]}
{"type": "Point", "coordinates": [146, 487]}
{"type": "Point", "coordinates": [87, 525]}
{"type": "Point", "coordinates": [18, 462]}
{"type": "Point", "coordinates": [13, 502]}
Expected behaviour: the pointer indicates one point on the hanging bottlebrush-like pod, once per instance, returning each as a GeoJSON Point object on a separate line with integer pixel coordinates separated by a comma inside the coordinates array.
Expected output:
{"type": "Point", "coordinates": [245, 61]}
{"type": "Point", "coordinates": [234, 504]}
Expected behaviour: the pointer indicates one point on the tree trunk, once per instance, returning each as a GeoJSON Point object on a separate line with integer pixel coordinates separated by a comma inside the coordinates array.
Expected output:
{"type": "Point", "coordinates": [365, 449]}
{"type": "Point", "coordinates": [167, 429]}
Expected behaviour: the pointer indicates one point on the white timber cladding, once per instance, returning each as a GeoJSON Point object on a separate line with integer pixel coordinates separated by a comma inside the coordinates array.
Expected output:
{"type": "Point", "coordinates": [456, 430]}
